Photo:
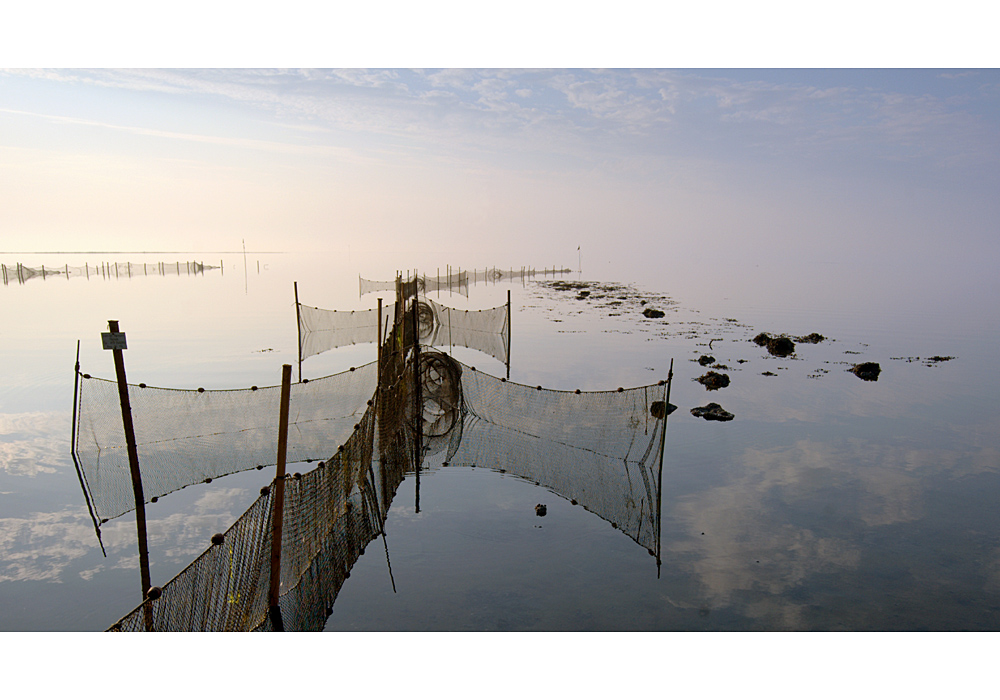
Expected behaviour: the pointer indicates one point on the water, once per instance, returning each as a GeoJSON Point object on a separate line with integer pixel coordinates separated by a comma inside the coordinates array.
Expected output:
{"type": "Point", "coordinates": [827, 503]}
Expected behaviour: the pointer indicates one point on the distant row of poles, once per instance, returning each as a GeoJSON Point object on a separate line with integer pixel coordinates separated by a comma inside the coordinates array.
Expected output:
{"type": "Point", "coordinates": [22, 273]}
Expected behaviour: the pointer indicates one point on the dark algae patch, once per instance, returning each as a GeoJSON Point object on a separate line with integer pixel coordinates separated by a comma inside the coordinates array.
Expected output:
{"type": "Point", "coordinates": [779, 345]}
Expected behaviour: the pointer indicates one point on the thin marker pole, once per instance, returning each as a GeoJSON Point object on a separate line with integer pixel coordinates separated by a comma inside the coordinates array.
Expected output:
{"type": "Point", "coordinates": [133, 463]}
{"type": "Point", "coordinates": [298, 325]}
{"type": "Point", "coordinates": [659, 478]}
{"type": "Point", "coordinates": [279, 502]}
{"type": "Point", "coordinates": [508, 334]}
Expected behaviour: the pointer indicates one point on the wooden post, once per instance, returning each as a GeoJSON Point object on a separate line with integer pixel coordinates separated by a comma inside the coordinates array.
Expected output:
{"type": "Point", "coordinates": [378, 342]}
{"type": "Point", "coordinates": [417, 405]}
{"type": "Point", "coordinates": [659, 478]}
{"type": "Point", "coordinates": [298, 327]}
{"type": "Point", "coordinates": [133, 463]}
{"type": "Point", "coordinates": [279, 502]}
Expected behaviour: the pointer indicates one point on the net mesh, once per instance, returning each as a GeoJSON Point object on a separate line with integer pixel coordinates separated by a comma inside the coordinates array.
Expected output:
{"type": "Point", "coordinates": [126, 270]}
{"type": "Point", "coordinates": [185, 437]}
{"type": "Point", "coordinates": [599, 449]}
{"type": "Point", "coordinates": [456, 282]}
{"type": "Point", "coordinates": [440, 326]}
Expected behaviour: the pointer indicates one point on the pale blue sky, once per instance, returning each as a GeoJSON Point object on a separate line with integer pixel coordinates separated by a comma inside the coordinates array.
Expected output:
{"type": "Point", "coordinates": [518, 166]}
{"type": "Point", "coordinates": [309, 159]}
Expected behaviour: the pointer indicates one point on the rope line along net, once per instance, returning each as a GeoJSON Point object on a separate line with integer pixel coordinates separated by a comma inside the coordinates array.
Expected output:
{"type": "Point", "coordinates": [440, 326]}
{"type": "Point", "coordinates": [599, 449]}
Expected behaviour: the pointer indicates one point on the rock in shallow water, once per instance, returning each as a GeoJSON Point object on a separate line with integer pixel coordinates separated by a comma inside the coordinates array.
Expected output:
{"type": "Point", "coordinates": [868, 371]}
{"type": "Point", "coordinates": [712, 411]}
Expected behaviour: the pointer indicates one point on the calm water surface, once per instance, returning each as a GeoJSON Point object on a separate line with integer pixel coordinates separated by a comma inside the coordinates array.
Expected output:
{"type": "Point", "coordinates": [828, 503]}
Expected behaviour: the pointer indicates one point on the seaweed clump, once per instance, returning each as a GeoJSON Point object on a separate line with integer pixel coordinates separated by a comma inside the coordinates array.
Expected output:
{"type": "Point", "coordinates": [714, 380]}
{"type": "Point", "coordinates": [868, 371]}
{"type": "Point", "coordinates": [777, 345]}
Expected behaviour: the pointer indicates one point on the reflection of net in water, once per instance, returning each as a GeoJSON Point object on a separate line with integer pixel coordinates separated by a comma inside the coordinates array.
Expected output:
{"type": "Point", "coordinates": [187, 436]}
{"type": "Point", "coordinates": [440, 326]}
{"type": "Point", "coordinates": [126, 270]}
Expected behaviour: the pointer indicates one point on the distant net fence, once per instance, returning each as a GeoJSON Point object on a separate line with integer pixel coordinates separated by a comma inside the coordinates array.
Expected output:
{"type": "Point", "coordinates": [187, 436]}
{"type": "Point", "coordinates": [440, 326]}
{"type": "Point", "coordinates": [602, 450]}
{"type": "Point", "coordinates": [22, 273]}
{"type": "Point", "coordinates": [456, 281]}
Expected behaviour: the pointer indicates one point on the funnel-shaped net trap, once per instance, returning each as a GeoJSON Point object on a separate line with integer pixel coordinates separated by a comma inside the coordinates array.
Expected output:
{"type": "Point", "coordinates": [187, 436]}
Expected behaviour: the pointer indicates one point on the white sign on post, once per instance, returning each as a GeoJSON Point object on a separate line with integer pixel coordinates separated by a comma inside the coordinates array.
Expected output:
{"type": "Point", "coordinates": [114, 341]}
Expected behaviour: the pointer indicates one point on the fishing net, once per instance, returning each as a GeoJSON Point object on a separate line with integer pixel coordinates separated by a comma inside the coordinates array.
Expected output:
{"type": "Point", "coordinates": [126, 270]}
{"type": "Point", "coordinates": [330, 515]}
{"type": "Point", "coordinates": [186, 437]}
{"type": "Point", "coordinates": [440, 326]}
{"type": "Point", "coordinates": [322, 329]}
{"type": "Point", "coordinates": [602, 450]}
{"type": "Point", "coordinates": [457, 283]}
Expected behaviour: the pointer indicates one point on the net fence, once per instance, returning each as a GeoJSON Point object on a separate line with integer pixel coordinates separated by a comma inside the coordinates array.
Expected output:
{"type": "Point", "coordinates": [486, 330]}
{"type": "Point", "coordinates": [189, 436]}
{"type": "Point", "coordinates": [126, 270]}
{"type": "Point", "coordinates": [457, 281]}
{"type": "Point", "coordinates": [602, 450]}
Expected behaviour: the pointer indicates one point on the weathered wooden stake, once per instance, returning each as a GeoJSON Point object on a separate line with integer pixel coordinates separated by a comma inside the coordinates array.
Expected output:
{"type": "Point", "coordinates": [278, 512]}
{"type": "Point", "coordinates": [115, 341]}
{"type": "Point", "coordinates": [417, 404]}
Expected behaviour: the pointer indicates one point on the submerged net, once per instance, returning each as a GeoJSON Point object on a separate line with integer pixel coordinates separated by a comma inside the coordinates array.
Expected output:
{"type": "Point", "coordinates": [440, 326]}
{"type": "Point", "coordinates": [185, 437]}
{"type": "Point", "coordinates": [126, 270]}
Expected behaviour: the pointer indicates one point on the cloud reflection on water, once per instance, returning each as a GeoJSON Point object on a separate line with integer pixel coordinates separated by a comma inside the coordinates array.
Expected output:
{"type": "Point", "coordinates": [46, 546]}
{"type": "Point", "coordinates": [794, 518]}
{"type": "Point", "coordinates": [34, 443]}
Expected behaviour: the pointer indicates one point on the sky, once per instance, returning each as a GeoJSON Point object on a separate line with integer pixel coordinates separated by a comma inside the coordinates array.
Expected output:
{"type": "Point", "coordinates": [787, 164]}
